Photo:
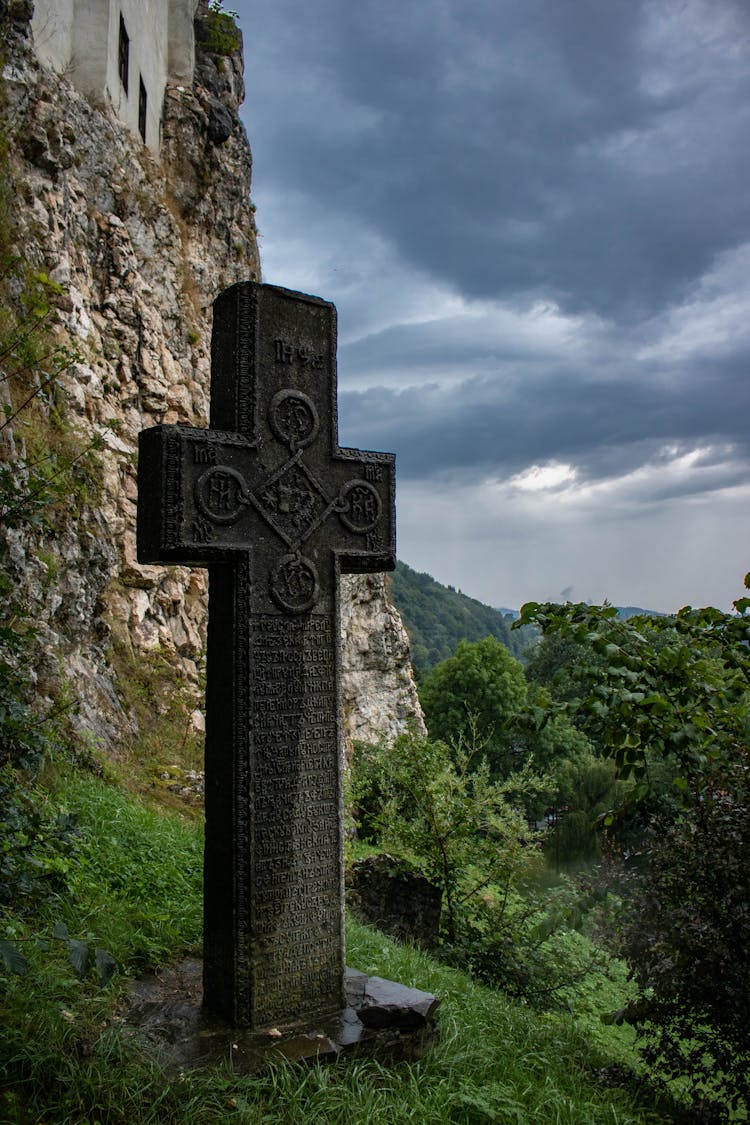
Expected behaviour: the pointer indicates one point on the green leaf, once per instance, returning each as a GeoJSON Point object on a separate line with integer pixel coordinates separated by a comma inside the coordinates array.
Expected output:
{"type": "Point", "coordinates": [15, 962]}
{"type": "Point", "coordinates": [61, 931]}
{"type": "Point", "coordinates": [656, 703]}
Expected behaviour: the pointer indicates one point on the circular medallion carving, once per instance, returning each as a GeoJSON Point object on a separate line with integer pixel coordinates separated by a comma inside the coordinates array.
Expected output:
{"type": "Point", "coordinates": [360, 506]}
{"type": "Point", "coordinates": [294, 584]}
{"type": "Point", "coordinates": [293, 418]}
{"type": "Point", "coordinates": [220, 494]}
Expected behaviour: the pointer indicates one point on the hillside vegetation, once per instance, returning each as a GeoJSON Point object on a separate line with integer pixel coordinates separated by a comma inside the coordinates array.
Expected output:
{"type": "Point", "coordinates": [125, 882]}
{"type": "Point", "coordinates": [438, 617]}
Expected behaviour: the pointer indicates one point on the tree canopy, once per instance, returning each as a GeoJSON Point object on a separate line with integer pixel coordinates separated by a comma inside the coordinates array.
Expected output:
{"type": "Point", "coordinates": [476, 695]}
{"type": "Point", "coordinates": [675, 691]}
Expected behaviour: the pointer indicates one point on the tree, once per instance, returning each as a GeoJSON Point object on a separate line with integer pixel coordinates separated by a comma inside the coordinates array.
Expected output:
{"type": "Point", "coordinates": [438, 807]}
{"type": "Point", "coordinates": [553, 665]}
{"type": "Point", "coordinates": [676, 687]}
{"type": "Point", "coordinates": [686, 933]}
{"type": "Point", "coordinates": [476, 693]}
{"type": "Point", "coordinates": [587, 788]}
{"type": "Point", "coordinates": [676, 692]}
{"type": "Point", "coordinates": [437, 617]}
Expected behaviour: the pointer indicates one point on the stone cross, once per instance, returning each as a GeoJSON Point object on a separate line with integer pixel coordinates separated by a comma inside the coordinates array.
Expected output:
{"type": "Point", "coordinates": [269, 502]}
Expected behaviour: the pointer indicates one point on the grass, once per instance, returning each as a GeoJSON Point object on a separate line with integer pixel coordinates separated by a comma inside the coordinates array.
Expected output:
{"type": "Point", "coordinates": [133, 886]}
{"type": "Point", "coordinates": [137, 884]}
{"type": "Point", "coordinates": [167, 745]}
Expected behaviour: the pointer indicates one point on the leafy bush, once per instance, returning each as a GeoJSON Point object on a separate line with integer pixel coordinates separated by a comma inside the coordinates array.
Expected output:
{"type": "Point", "coordinates": [477, 692]}
{"type": "Point", "coordinates": [439, 807]}
{"type": "Point", "coordinates": [686, 933]}
{"type": "Point", "coordinates": [442, 809]}
{"type": "Point", "coordinates": [219, 32]}
{"type": "Point", "coordinates": [674, 687]}
{"type": "Point", "coordinates": [586, 790]}
{"type": "Point", "coordinates": [36, 841]}
{"type": "Point", "coordinates": [675, 693]}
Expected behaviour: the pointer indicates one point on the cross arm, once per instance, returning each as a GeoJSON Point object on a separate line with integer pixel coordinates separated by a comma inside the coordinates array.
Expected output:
{"type": "Point", "coordinates": [172, 460]}
{"type": "Point", "coordinates": [371, 500]}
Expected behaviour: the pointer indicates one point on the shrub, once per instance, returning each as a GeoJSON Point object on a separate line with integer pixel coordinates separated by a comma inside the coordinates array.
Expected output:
{"type": "Point", "coordinates": [686, 933]}
{"type": "Point", "coordinates": [439, 807]}
{"type": "Point", "coordinates": [673, 693]}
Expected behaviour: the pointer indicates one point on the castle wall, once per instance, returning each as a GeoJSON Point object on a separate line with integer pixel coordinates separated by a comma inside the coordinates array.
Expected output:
{"type": "Point", "coordinates": [147, 26]}
{"type": "Point", "coordinates": [52, 27]}
{"type": "Point", "coordinates": [83, 40]}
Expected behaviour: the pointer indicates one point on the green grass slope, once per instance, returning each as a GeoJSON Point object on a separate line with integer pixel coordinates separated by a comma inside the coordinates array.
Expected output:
{"type": "Point", "coordinates": [129, 882]}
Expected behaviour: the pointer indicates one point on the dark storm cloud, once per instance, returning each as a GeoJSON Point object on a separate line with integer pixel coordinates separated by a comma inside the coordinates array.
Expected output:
{"type": "Point", "coordinates": [603, 428]}
{"type": "Point", "coordinates": [573, 150]}
{"type": "Point", "coordinates": [533, 216]}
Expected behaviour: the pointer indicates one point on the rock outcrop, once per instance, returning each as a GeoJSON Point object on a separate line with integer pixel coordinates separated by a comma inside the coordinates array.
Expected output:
{"type": "Point", "coordinates": [139, 247]}
{"type": "Point", "coordinates": [377, 685]}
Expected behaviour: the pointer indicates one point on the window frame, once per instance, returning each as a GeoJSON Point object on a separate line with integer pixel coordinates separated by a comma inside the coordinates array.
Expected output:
{"type": "Point", "coordinates": [123, 55]}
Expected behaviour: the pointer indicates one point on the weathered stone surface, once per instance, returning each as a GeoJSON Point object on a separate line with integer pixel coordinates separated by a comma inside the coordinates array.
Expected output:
{"type": "Point", "coordinates": [381, 1018]}
{"type": "Point", "coordinates": [268, 499]}
{"type": "Point", "coordinates": [389, 894]}
{"type": "Point", "coordinates": [377, 684]}
{"type": "Point", "coordinates": [141, 248]}
{"type": "Point", "coordinates": [383, 1003]}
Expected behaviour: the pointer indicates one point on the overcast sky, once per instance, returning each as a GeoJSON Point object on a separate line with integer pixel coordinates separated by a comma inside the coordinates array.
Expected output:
{"type": "Point", "coordinates": [534, 219]}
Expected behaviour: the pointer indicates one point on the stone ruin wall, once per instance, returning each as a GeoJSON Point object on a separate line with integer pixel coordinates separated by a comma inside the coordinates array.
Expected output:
{"type": "Point", "coordinates": [140, 248]}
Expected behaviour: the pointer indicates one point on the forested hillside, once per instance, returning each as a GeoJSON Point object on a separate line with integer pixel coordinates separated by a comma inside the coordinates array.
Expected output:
{"type": "Point", "coordinates": [437, 617]}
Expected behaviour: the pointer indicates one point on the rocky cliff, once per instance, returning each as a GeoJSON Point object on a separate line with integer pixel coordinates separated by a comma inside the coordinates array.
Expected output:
{"type": "Point", "coordinates": [139, 248]}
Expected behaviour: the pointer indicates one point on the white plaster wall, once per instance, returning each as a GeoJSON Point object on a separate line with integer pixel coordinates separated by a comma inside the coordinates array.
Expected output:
{"type": "Point", "coordinates": [52, 28]}
{"type": "Point", "coordinates": [181, 61]}
{"type": "Point", "coordinates": [147, 25]}
{"type": "Point", "coordinates": [92, 20]}
{"type": "Point", "coordinates": [81, 37]}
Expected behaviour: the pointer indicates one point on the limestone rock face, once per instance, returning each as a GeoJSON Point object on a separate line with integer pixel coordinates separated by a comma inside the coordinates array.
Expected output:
{"type": "Point", "coordinates": [377, 685]}
{"type": "Point", "coordinates": [140, 248]}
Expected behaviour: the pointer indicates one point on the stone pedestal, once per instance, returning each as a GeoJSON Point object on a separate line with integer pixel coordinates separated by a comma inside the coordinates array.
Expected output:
{"type": "Point", "coordinates": [382, 1019]}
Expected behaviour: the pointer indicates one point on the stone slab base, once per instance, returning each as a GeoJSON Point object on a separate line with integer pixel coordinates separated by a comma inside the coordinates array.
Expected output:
{"type": "Point", "coordinates": [382, 1018]}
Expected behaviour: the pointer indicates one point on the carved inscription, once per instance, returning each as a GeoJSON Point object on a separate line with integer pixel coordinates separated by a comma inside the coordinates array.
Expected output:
{"type": "Point", "coordinates": [204, 453]}
{"type": "Point", "coordinates": [294, 584]}
{"type": "Point", "coordinates": [297, 836]}
{"type": "Point", "coordinates": [360, 506]}
{"type": "Point", "coordinates": [286, 352]}
{"type": "Point", "coordinates": [247, 327]}
{"type": "Point", "coordinates": [293, 418]}
{"type": "Point", "coordinates": [220, 494]}
{"type": "Point", "coordinates": [173, 490]}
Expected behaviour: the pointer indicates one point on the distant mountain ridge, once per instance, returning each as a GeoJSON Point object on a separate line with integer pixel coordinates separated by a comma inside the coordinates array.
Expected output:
{"type": "Point", "coordinates": [437, 617]}
{"type": "Point", "coordinates": [623, 611]}
{"type": "Point", "coordinates": [626, 611]}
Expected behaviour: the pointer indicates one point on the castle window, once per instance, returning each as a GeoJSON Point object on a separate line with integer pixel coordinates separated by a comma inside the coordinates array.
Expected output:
{"type": "Point", "coordinates": [123, 54]}
{"type": "Point", "coordinates": [142, 105]}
